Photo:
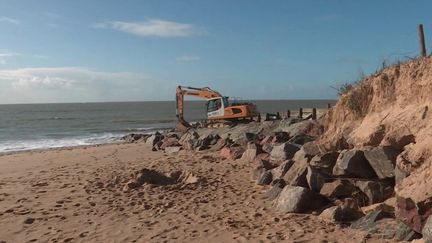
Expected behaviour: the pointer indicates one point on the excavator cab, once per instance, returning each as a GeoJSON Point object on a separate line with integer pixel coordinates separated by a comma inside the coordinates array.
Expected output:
{"type": "Point", "coordinates": [216, 107]}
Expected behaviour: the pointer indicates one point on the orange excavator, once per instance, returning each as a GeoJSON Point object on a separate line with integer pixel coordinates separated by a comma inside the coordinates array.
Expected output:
{"type": "Point", "coordinates": [218, 107]}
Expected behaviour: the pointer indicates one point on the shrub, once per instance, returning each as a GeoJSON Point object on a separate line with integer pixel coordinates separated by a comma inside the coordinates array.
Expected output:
{"type": "Point", "coordinates": [354, 105]}
{"type": "Point", "coordinates": [343, 88]}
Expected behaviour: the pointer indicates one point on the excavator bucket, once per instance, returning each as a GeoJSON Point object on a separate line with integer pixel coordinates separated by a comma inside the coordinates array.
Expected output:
{"type": "Point", "coordinates": [182, 125]}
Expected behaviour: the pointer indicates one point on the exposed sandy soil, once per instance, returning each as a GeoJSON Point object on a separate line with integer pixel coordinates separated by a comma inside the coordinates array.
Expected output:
{"type": "Point", "coordinates": [391, 107]}
{"type": "Point", "coordinates": [75, 195]}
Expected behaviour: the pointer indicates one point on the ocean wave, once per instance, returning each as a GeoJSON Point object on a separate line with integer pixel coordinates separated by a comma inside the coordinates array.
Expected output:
{"type": "Point", "coordinates": [145, 129]}
{"type": "Point", "coordinates": [139, 129]}
{"type": "Point", "coordinates": [47, 143]}
{"type": "Point", "coordinates": [54, 118]}
{"type": "Point", "coordinates": [144, 121]}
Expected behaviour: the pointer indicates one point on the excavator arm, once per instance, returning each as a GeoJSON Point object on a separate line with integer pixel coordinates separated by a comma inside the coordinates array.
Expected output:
{"type": "Point", "coordinates": [182, 91]}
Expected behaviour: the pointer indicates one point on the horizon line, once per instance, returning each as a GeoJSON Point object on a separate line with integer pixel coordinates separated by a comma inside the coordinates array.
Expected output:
{"type": "Point", "coordinates": [140, 101]}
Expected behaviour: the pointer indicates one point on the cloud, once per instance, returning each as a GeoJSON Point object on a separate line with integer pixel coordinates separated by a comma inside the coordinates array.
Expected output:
{"type": "Point", "coordinates": [152, 28]}
{"type": "Point", "coordinates": [5, 19]}
{"type": "Point", "coordinates": [62, 77]}
{"type": "Point", "coordinates": [80, 84]}
{"type": "Point", "coordinates": [188, 58]}
{"type": "Point", "coordinates": [5, 55]}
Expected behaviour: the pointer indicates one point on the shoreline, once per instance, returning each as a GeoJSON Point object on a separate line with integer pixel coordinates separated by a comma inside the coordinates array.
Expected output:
{"type": "Point", "coordinates": [60, 136]}
{"type": "Point", "coordinates": [118, 140]}
{"type": "Point", "coordinates": [41, 150]}
{"type": "Point", "coordinates": [152, 130]}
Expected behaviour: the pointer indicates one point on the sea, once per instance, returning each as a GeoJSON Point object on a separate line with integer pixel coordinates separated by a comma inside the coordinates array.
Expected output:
{"type": "Point", "coordinates": [43, 126]}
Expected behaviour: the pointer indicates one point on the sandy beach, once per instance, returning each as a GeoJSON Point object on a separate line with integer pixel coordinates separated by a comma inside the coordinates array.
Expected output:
{"type": "Point", "coordinates": [215, 121]}
{"type": "Point", "coordinates": [76, 195]}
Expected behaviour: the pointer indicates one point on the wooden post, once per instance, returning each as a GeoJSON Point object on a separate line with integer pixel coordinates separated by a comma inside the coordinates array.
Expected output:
{"type": "Point", "coordinates": [422, 40]}
{"type": "Point", "coordinates": [300, 114]}
{"type": "Point", "coordinates": [314, 114]}
{"type": "Point", "coordinates": [288, 113]}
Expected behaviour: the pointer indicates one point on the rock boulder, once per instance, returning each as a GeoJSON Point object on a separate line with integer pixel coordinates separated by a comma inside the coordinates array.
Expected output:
{"type": "Point", "coordinates": [133, 137]}
{"type": "Point", "coordinates": [295, 199]}
{"type": "Point", "coordinates": [340, 214]}
{"type": "Point", "coordinates": [232, 152]}
{"type": "Point", "coordinates": [369, 220]}
{"type": "Point", "coordinates": [280, 171]}
{"type": "Point", "coordinates": [189, 135]}
{"type": "Point", "coordinates": [278, 185]}
{"type": "Point", "coordinates": [353, 163]}
{"type": "Point", "coordinates": [301, 139]}
{"type": "Point", "coordinates": [325, 162]}
{"type": "Point", "coordinates": [169, 142]}
{"type": "Point", "coordinates": [382, 160]}
{"type": "Point", "coordinates": [315, 179]}
{"type": "Point", "coordinates": [261, 167]}
{"type": "Point", "coordinates": [252, 150]}
{"type": "Point", "coordinates": [251, 137]}
{"type": "Point", "coordinates": [172, 150]}
{"type": "Point", "coordinates": [296, 175]}
{"type": "Point", "coordinates": [413, 214]}
{"type": "Point", "coordinates": [427, 230]}
{"type": "Point", "coordinates": [338, 189]}
{"type": "Point", "coordinates": [154, 139]}
{"type": "Point", "coordinates": [280, 137]}
{"type": "Point", "coordinates": [376, 191]}
{"type": "Point", "coordinates": [283, 151]}
{"type": "Point", "coordinates": [265, 179]}
{"type": "Point", "coordinates": [219, 144]}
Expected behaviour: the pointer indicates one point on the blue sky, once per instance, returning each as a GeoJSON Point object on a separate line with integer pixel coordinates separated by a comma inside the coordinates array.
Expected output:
{"type": "Point", "coordinates": [104, 50]}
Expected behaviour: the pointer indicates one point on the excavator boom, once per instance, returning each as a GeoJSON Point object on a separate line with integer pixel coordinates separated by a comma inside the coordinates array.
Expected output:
{"type": "Point", "coordinates": [182, 91]}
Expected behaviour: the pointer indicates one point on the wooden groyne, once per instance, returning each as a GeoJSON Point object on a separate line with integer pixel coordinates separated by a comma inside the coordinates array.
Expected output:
{"type": "Point", "coordinates": [301, 113]}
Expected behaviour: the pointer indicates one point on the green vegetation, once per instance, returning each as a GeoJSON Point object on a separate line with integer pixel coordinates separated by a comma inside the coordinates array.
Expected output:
{"type": "Point", "coordinates": [358, 93]}
{"type": "Point", "coordinates": [343, 88]}
{"type": "Point", "coordinates": [354, 102]}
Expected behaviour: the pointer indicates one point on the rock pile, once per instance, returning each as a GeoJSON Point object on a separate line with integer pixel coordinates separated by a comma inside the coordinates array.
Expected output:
{"type": "Point", "coordinates": [347, 186]}
{"type": "Point", "coordinates": [351, 186]}
{"type": "Point", "coordinates": [133, 137]}
{"type": "Point", "coordinates": [168, 142]}
{"type": "Point", "coordinates": [153, 177]}
{"type": "Point", "coordinates": [342, 185]}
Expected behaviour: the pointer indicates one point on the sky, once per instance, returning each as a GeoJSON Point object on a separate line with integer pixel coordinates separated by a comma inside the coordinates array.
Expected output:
{"type": "Point", "coordinates": [56, 51]}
